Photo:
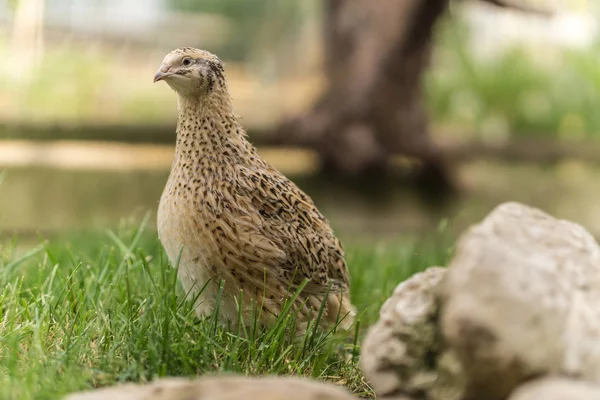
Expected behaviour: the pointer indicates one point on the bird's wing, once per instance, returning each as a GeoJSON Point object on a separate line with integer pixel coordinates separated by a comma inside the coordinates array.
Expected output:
{"type": "Point", "coordinates": [288, 217]}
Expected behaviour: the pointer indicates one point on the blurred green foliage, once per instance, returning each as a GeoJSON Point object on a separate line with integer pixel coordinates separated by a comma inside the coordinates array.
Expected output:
{"type": "Point", "coordinates": [253, 20]}
{"type": "Point", "coordinates": [523, 91]}
{"type": "Point", "coordinates": [527, 91]}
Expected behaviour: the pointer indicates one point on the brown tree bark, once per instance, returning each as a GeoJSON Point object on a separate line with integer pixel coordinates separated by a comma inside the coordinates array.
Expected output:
{"type": "Point", "coordinates": [376, 54]}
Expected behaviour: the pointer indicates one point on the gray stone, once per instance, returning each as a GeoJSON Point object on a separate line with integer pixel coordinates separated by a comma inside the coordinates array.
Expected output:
{"type": "Point", "coordinates": [400, 353]}
{"type": "Point", "coordinates": [555, 388]}
{"type": "Point", "coordinates": [522, 298]}
{"type": "Point", "coordinates": [220, 388]}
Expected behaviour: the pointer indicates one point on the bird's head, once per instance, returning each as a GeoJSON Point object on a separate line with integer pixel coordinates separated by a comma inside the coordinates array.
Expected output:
{"type": "Point", "coordinates": [191, 72]}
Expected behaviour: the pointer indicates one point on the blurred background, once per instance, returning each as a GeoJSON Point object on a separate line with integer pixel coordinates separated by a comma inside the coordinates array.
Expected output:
{"type": "Point", "coordinates": [394, 117]}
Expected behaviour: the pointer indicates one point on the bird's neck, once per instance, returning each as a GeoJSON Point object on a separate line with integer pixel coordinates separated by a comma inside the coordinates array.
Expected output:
{"type": "Point", "coordinates": [207, 128]}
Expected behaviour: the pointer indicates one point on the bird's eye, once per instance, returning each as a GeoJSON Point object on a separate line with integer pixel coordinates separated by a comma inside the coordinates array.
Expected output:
{"type": "Point", "coordinates": [186, 61]}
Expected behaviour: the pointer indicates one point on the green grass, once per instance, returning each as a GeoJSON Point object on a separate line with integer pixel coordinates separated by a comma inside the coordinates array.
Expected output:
{"type": "Point", "coordinates": [91, 310]}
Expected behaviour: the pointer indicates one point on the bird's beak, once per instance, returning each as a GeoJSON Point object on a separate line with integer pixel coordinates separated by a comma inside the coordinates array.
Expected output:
{"type": "Point", "coordinates": [162, 73]}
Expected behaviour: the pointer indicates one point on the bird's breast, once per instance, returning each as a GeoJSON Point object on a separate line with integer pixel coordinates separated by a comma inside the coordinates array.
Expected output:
{"type": "Point", "coordinates": [179, 223]}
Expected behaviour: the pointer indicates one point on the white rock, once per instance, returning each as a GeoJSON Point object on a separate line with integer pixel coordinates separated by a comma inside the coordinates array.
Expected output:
{"type": "Point", "coordinates": [399, 354]}
{"type": "Point", "coordinates": [220, 388]}
{"type": "Point", "coordinates": [522, 298]}
{"type": "Point", "coordinates": [555, 388]}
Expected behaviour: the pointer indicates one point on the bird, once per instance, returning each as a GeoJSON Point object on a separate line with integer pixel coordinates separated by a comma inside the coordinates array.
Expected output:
{"type": "Point", "coordinates": [246, 240]}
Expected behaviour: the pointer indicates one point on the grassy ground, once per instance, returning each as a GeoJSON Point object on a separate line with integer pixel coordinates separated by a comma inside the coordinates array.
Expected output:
{"type": "Point", "coordinates": [91, 310]}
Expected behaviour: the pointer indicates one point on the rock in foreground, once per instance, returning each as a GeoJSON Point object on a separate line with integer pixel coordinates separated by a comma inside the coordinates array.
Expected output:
{"type": "Point", "coordinates": [220, 388]}
{"type": "Point", "coordinates": [400, 353]}
{"type": "Point", "coordinates": [557, 389]}
{"type": "Point", "coordinates": [522, 298]}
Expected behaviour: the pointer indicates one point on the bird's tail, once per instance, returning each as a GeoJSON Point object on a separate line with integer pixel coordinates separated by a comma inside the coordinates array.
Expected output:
{"type": "Point", "coordinates": [340, 310]}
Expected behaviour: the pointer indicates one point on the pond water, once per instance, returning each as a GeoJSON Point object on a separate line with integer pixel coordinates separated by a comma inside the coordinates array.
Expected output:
{"type": "Point", "coordinates": [45, 199]}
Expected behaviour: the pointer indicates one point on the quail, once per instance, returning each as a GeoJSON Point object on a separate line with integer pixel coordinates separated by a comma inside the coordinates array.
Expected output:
{"type": "Point", "coordinates": [244, 237]}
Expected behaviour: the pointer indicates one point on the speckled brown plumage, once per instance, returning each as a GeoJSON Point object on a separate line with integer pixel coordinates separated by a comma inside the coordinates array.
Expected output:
{"type": "Point", "coordinates": [234, 217]}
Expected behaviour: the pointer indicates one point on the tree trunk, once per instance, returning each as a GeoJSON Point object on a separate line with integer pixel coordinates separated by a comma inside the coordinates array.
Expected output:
{"type": "Point", "coordinates": [376, 53]}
